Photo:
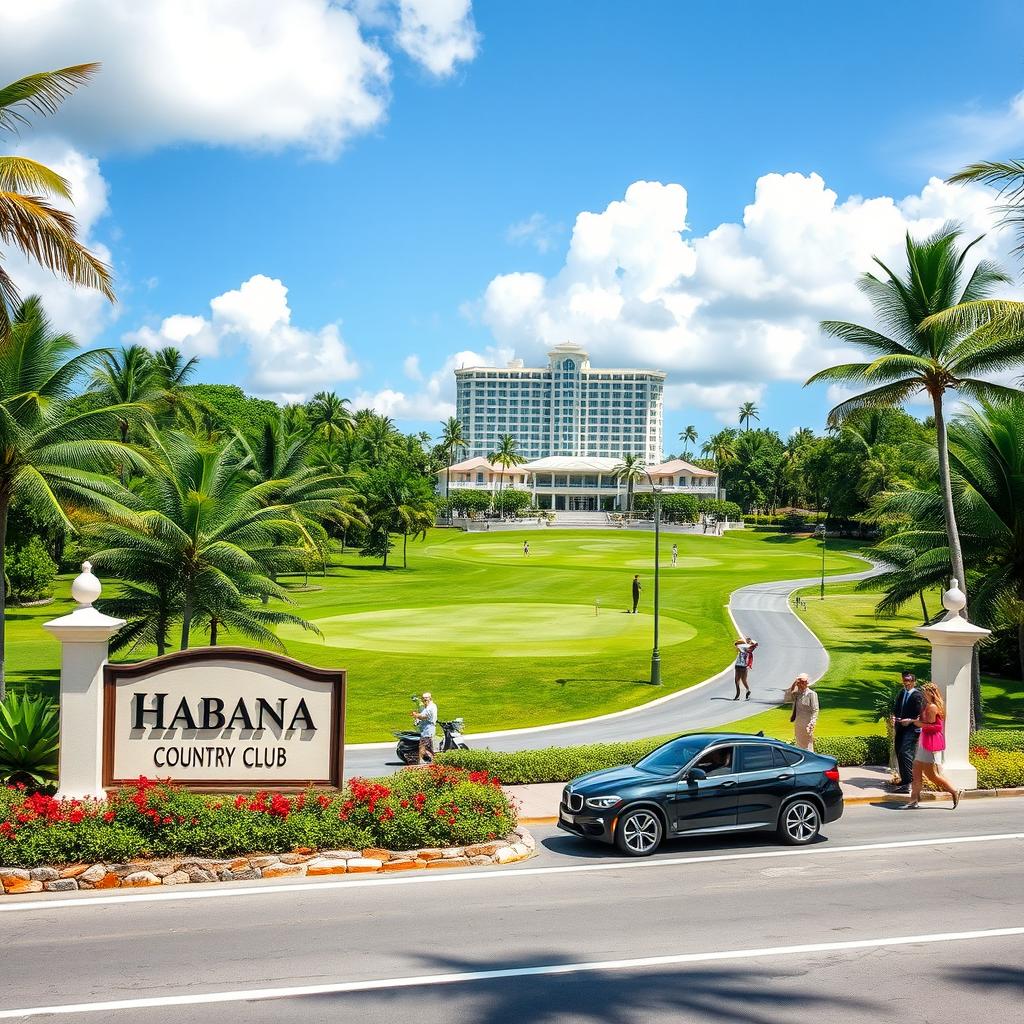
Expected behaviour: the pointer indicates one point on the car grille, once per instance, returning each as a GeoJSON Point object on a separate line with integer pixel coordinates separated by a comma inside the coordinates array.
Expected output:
{"type": "Point", "coordinates": [573, 801]}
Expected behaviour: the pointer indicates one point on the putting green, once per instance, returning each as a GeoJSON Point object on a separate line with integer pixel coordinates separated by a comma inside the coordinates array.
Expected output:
{"type": "Point", "coordinates": [498, 630]}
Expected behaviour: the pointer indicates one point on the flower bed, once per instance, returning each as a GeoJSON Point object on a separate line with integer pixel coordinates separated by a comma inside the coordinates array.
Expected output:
{"type": "Point", "coordinates": [440, 807]}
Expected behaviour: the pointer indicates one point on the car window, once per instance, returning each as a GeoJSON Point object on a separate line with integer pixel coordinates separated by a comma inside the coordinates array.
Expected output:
{"type": "Point", "coordinates": [756, 757]}
{"type": "Point", "coordinates": [670, 757]}
{"type": "Point", "coordinates": [786, 758]}
{"type": "Point", "coordinates": [718, 761]}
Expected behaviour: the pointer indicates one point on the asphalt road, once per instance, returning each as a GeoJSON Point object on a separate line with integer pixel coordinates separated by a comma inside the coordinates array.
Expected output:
{"type": "Point", "coordinates": [760, 610]}
{"type": "Point", "coordinates": [898, 915]}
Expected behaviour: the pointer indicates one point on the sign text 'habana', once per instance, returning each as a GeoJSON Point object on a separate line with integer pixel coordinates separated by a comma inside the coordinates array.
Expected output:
{"type": "Point", "coordinates": [224, 717]}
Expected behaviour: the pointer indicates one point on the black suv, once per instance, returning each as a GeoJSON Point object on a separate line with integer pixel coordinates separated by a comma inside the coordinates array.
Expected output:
{"type": "Point", "coordinates": [704, 784]}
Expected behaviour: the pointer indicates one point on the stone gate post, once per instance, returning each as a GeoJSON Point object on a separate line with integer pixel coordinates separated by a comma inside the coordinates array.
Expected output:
{"type": "Point", "coordinates": [953, 640]}
{"type": "Point", "coordinates": [84, 636]}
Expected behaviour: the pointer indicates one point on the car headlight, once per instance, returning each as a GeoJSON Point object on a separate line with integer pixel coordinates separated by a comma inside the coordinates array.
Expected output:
{"type": "Point", "coordinates": [600, 803]}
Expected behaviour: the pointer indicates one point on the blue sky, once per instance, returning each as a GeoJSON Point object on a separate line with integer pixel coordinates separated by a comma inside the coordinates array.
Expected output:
{"type": "Point", "coordinates": [411, 172]}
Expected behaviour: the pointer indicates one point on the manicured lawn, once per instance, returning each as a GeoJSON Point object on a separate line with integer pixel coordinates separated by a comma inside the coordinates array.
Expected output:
{"type": "Point", "coordinates": [866, 656]}
{"type": "Point", "coordinates": [502, 639]}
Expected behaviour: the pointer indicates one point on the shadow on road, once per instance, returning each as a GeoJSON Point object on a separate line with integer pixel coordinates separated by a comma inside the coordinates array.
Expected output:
{"type": "Point", "coordinates": [582, 849]}
{"type": "Point", "coordinates": [683, 993]}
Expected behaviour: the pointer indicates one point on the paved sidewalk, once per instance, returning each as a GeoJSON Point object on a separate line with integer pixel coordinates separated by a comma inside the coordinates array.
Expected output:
{"type": "Point", "coordinates": [538, 803]}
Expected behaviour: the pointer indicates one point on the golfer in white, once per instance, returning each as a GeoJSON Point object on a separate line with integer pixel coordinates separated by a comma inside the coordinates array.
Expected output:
{"type": "Point", "coordinates": [675, 555]}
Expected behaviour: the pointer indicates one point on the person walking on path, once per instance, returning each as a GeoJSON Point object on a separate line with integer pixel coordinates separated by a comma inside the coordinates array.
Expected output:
{"type": "Point", "coordinates": [426, 719]}
{"type": "Point", "coordinates": [636, 591]}
{"type": "Point", "coordinates": [906, 710]}
{"type": "Point", "coordinates": [805, 711]}
{"type": "Point", "coordinates": [526, 547]}
{"type": "Point", "coordinates": [675, 555]}
{"type": "Point", "coordinates": [745, 648]}
{"type": "Point", "coordinates": [930, 745]}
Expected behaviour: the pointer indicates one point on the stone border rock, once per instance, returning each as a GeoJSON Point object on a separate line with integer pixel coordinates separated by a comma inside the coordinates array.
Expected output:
{"type": "Point", "coordinates": [140, 874]}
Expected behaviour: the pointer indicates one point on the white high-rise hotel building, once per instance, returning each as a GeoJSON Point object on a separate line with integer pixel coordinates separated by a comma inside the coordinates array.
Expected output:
{"type": "Point", "coordinates": [567, 408]}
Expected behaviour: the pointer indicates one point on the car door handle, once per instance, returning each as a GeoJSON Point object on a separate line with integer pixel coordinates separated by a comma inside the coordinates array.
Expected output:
{"type": "Point", "coordinates": [785, 775]}
{"type": "Point", "coordinates": [728, 782]}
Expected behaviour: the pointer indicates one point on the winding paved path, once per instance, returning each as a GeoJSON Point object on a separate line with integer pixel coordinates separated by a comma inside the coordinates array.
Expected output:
{"type": "Point", "coordinates": [761, 610]}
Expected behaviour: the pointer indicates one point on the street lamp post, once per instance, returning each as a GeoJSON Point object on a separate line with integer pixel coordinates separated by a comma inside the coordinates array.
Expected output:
{"type": "Point", "coordinates": [820, 531]}
{"type": "Point", "coordinates": [655, 653]}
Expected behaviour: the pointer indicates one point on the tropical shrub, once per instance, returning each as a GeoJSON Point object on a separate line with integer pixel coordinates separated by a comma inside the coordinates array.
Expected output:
{"type": "Point", "coordinates": [31, 571]}
{"type": "Point", "coordinates": [440, 806]}
{"type": "Point", "coordinates": [29, 735]}
{"type": "Point", "coordinates": [512, 502]}
{"type": "Point", "coordinates": [467, 502]}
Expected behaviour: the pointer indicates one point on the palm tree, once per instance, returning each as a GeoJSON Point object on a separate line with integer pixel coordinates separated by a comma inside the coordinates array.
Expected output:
{"type": "Point", "coordinates": [379, 436]}
{"type": "Point", "coordinates": [206, 535]}
{"type": "Point", "coordinates": [126, 377]}
{"type": "Point", "coordinates": [505, 455]}
{"type": "Point", "coordinates": [922, 354]}
{"type": "Point", "coordinates": [748, 412]}
{"type": "Point", "coordinates": [688, 435]}
{"type": "Point", "coordinates": [328, 415]}
{"type": "Point", "coordinates": [986, 452]}
{"type": "Point", "coordinates": [28, 219]}
{"type": "Point", "coordinates": [172, 374]}
{"type": "Point", "coordinates": [721, 449]}
{"type": "Point", "coordinates": [452, 442]}
{"type": "Point", "coordinates": [51, 458]}
{"type": "Point", "coordinates": [630, 470]}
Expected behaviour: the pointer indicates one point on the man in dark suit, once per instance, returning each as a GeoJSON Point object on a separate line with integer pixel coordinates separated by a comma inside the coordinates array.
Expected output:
{"type": "Point", "coordinates": [906, 709]}
{"type": "Point", "coordinates": [636, 592]}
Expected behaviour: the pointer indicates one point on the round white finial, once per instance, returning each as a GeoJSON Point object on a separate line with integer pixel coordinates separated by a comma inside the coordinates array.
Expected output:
{"type": "Point", "coordinates": [86, 588]}
{"type": "Point", "coordinates": [954, 600]}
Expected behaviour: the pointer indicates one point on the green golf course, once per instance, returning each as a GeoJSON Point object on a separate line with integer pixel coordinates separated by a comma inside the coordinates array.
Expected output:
{"type": "Point", "coordinates": [510, 640]}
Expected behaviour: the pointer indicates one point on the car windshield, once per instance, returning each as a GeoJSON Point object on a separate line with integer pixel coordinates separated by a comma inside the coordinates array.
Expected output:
{"type": "Point", "coordinates": [668, 759]}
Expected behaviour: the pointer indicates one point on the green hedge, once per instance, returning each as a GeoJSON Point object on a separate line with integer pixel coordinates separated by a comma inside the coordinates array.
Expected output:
{"type": "Point", "coordinates": [999, 769]}
{"type": "Point", "coordinates": [560, 764]}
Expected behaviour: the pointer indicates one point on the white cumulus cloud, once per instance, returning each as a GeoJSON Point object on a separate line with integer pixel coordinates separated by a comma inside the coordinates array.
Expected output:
{"type": "Point", "coordinates": [257, 73]}
{"type": "Point", "coordinates": [731, 310]}
{"type": "Point", "coordinates": [282, 359]}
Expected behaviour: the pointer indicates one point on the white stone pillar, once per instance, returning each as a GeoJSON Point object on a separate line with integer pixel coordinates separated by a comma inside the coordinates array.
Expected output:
{"type": "Point", "coordinates": [953, 641]}
{"type": "Point", "coordinates": [84, 636]}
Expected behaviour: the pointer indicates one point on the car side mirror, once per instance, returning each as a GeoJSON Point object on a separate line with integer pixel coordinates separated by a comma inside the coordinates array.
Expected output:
{"type": "Point", "coordinates": [696, 775]}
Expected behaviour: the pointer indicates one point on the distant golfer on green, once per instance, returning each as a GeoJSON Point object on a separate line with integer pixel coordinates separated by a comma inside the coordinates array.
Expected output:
{"type": "Point", "coordinates": [636, 591]}
{"type": "Point", "coordinates": [675, 555]}
{"type": "Point", "coordinates": [526, 547]}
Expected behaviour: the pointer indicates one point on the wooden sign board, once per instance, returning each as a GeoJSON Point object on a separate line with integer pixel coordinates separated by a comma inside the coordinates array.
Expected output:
{"type": "Point", "coordinates": [224, 718]}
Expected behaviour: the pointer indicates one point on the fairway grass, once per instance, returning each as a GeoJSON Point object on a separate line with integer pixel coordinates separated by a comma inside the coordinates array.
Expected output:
{"type": "Point", "coordinates": [503, 639]}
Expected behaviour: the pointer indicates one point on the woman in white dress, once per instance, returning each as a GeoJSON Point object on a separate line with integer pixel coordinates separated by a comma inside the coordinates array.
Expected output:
{"type": "Point", "coordinates": [805, 711]}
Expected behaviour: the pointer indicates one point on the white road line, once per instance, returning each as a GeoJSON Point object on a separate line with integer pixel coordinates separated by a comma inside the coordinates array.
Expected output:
{"type": "Point", "coordinates": [206, 892]}
{"type": "Point", "coordinates": [464, 977]}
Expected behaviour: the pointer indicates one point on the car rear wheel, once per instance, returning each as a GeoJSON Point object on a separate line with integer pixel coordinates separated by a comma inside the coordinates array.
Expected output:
{"type": "Point", "coordinates": [800, 823]}
{"type": "Point", "coordinates": [639, 832]}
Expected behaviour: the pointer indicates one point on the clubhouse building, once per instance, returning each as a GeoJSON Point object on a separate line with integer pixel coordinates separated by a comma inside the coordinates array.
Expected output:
{"type": "Point", "coordinates": [565, 483]}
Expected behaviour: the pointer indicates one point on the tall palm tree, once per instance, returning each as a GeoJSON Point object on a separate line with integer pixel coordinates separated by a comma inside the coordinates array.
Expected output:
{"type": "Point", "coordinates": [505, 455]}
{"type": "Point", "coordinates": [923, 352]}
{"type": "Point", "coordinates": [721, 449]}
{"type": "Point", "coordinates": [379, 435]}
{"type": "Point", "coordinates": [748, 412]}
{"type": "Point", "coordinates": [986, 451]}
{"type": "Point", "coordinates": [29, 220]}
{"type": "Point", "coordinates": [688, 435]}
{"type": "Point", "coordinates": [631, 471]}
{"type": "Point", "coordinates": [172, 375]}
{"type": "Point", "coordinates": [52, 458]}
{"type": "Point", "coordinates": [451, 443]}
{"type": "Point", "coordinates": [328, 415]}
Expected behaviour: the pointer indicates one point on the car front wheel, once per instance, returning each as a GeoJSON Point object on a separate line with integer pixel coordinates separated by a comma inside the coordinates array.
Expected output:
{"type": "Point", "coordinates": [639, 833]}
{"type": "Point", "coordinates": [800, 823]}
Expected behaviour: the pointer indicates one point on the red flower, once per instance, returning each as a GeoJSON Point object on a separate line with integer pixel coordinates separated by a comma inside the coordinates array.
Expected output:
{"type": "Point", "coordinates": [109, 816]}
{"type": "Point", "coordinates": [76, 816]}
